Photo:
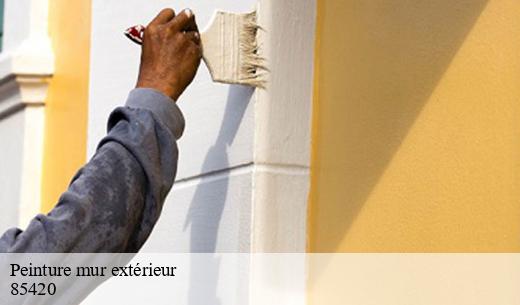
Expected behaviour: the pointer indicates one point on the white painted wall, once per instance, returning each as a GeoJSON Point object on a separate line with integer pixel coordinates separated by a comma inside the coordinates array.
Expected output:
{"type": "Point", "coordinates": [15, 31]}
{"type": "Point", "coordinates": [283, 126]}
{"type": "Point", "coordinates": [26, 63]}
{"type": "Point", "coordinates": [209, 208]}
{"type": "Point", "coordinates": [243, 176]}
{"type": "Point", "coordinates": [11, 123]}
{"type": "Point", "coordinates": [11, 137]}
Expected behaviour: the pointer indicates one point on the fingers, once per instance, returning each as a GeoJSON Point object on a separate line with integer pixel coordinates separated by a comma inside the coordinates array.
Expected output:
{"type": "Point", "coordinates": [185, 21]}
{"type": "Point", "coordinates": [164, 16]}
{"type": "Point", "coordinates": [195, 47]}
{"type": "Point", "coordinates": [193, 36]}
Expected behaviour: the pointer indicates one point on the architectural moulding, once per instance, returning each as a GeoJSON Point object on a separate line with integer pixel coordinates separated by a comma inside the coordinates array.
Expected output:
{"type": "Point", "coordinates": [26, 66]}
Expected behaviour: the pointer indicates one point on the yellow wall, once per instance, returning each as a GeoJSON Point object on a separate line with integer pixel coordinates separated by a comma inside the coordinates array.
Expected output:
{"type": "Point", "coordinates": [67, 101]}
{"type": "Point", "coordinates": [416, 140]}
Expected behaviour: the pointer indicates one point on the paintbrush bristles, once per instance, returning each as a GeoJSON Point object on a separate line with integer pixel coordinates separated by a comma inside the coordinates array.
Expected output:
{"type": "Point", "coordinates": [230, 49]}
{"type": "Point", "coordinates": [252, 65]}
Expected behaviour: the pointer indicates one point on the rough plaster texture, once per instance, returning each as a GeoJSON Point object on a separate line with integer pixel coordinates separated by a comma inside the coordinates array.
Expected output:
{"type": "Point", "coordinates": [417, 133]}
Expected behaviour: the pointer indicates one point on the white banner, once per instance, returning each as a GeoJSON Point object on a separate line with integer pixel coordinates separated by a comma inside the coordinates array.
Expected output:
{"type": "Point", "coordinates": [260, 279]}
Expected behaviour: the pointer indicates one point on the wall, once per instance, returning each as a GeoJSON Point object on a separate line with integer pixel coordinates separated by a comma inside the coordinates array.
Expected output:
{"type": "Point", "coordinates": [415, 133]}
{"type": "Point", "coordinates": [283, 126]}
{"type": "Point", "coordinates": [10, 167]}
{"type": "Point", "coordinates": [26, 63]}
{"type": "Point", "coordinates": [244, 167]}
{"type": "Point", "coordinates": [209, 208]}
{"type": "Point", "coordinates": [12, 124]}
{"type": "Point", "coordinates": [67, 100]}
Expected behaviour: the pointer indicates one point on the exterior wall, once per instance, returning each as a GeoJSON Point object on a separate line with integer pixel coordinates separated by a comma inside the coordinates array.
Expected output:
{"type": "Point", "coordinates": [283, 126]}
{"type": "Point", "coordinates": [242, 182]}
{"type": "Point", "coordinates": [11, 162]}
{"type": "Point", "coordinates": [244, 167]}
{"type": "Point", "coordinates": [12, 125]}
{"type": "Point", "coordinates": [26, 63]}
{"type": "Point", "coordinates": [15, 32]}
{"type": "Point", "coordinates": [209, 208]}
{"type": "Point", "coordinates": [67, 100]}
{"type": "Point", "coordinates": [416, 132]}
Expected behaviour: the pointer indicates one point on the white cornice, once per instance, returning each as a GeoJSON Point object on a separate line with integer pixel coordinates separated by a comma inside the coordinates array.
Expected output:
{"type": "Point", "coordinates": [26, 67]}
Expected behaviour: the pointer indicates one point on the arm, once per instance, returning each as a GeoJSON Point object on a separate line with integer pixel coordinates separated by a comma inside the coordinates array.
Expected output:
{"type": "Point", "coordinates": [115, 200]}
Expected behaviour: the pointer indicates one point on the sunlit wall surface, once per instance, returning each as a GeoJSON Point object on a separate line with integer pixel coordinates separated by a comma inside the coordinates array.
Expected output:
{"type": "Point", "coordinates": [416, 132]}
{"type": "Point", "coordinates": [67, 98]}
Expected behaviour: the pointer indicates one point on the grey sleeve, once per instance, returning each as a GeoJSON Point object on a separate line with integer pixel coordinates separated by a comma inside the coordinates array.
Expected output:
{"type": "Point", "coordinates": [114, 201]}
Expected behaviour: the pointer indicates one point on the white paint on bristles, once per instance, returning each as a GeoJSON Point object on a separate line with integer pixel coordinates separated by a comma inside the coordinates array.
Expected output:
{"type": "Point", "coordinates": [230, 49]}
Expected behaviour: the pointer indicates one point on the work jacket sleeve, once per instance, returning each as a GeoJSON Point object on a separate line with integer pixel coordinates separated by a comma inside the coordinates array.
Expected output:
{"type": "Point", "coordinates": [114, 201]}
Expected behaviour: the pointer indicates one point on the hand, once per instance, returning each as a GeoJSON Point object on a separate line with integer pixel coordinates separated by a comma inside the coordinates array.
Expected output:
{"type": "Point", "coordinates": [171, 53]}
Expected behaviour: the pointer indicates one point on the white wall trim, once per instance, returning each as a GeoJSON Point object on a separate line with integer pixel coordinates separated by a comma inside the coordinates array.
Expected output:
{"type": "Point", "coordinates": [283, 127]}
{"type": "Point", "coordinates": [27, 94]}
{"type": "Point", "coordinates": [28, 58]}
{"type": "Point", "coordinates": [26, 66]}
{"type": "Point", "coordinates": [30, 193]}
{"type": "Point", "coordinates": [28, 50]}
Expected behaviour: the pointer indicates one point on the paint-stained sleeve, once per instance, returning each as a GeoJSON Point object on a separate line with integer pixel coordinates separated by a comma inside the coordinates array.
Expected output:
{"type": "Point", "coordinates": [114, 201]}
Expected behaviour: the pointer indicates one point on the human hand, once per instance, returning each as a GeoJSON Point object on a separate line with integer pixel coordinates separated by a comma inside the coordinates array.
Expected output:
{"type": "Point", "coordinates": [171, 53]}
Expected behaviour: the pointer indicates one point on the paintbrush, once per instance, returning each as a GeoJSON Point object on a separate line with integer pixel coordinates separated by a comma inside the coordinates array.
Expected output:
{"type": "Point", "coordinates": [229, 48]}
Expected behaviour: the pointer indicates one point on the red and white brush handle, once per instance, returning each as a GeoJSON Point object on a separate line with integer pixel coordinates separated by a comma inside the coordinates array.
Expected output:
{"type": "Point", "coordinates": [135, 33]}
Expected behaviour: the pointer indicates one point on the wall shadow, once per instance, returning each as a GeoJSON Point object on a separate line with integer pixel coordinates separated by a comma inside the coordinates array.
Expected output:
{"type": "Point", "coordinates": [379, 62]}
{"type": "Point", "coordinates": [205, 212]}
